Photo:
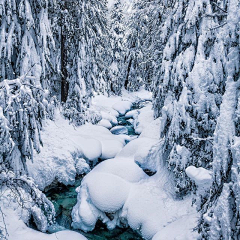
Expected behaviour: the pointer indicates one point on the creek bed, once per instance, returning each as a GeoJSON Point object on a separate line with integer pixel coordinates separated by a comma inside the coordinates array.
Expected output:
{"type": "Point", "coordinates": [64, 198]}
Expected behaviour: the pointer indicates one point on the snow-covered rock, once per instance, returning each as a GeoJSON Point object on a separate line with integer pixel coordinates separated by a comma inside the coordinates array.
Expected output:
{"type": "Point", "coordinates": [105, 123]}
{"type": "Point", "coordinates": [110, 116]}
{"type": "Point", "coordinates": [107, 192]}
{"type": "Point", "coordinates": [111, 148]}
{"type": "Point", "coordinates": [122, 106]}
{"type": "Point", "coordinates": [132, 114]}
{"type": "Point", "coordinates": [122, 167]}
{"type": "Point", "coordinates": [119, 130]}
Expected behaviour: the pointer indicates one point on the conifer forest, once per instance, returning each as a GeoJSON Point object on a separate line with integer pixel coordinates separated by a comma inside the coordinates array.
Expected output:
{"type": "Point", "coordinates": [120, 119]}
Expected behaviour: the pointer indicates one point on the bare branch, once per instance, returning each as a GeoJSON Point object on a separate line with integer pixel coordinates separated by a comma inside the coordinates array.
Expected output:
{"type": "Point", "coordinates": [218, 26]}
{"type": "Point", "coordinates": [219, 7]}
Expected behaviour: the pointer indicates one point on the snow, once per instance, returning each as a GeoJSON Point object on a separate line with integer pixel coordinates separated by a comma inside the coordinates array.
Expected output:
{"type": "Point", "coordinates": [122, 167]}
{"type": "Point", "coordinates": [180, 229]}
{"type": "Point", "coordinates": [64, 145]}
{"type": "Point", "coordinates": [152, 130]}
{"type": "Point", "coordinates": [119, 130]}
{"type": "Point", "coordinates": [111, 148]}
{"type": "Point", "coordinates": [14, 217]}
{"type": "Point", "coordinates": [201, 176]}
{"type": "Point", "coordinates": [110, 117]}
{"type": "Point", "coordinates": [119, 186]}
{"type": "Point", "coordinates": [132, 114]}
{"type": "Point", "coordinates": [107, 192]}
{"type": "Point", "coordinates": [105, 123]}
{"type": "Point", "coordinates": [144, 118]}
{"type": "Point", "coordinates": [122, 106]}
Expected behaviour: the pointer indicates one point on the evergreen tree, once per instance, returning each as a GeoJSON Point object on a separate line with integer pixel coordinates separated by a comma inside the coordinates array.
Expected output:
{"type": "Point", "coordinates": [117, 33]}
{"type": "Point", "coordinates": [88, 55]}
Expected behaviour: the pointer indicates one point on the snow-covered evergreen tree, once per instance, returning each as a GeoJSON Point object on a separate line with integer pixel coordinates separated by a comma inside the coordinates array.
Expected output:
{"type": "Point", "coordinates": [220, 212]}
{"type": "Point", "coordinates": [88, 54]}
{"type": "Point", "coordinates": [117, 33]}
{"type": "Point", "coordinates": [191, 81]}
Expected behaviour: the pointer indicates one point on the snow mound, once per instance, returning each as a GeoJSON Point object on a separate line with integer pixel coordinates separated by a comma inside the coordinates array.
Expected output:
{"type": "Point", "coordinates": [64, 145]}
{"type": "Point", "coordinates": [124, 168]}
{"type": "Point", "coordinates": [108, 192]}
{"type": "Point", "coordinates": [132, 114]}
{"type": "Point", "coordinates": [105, 123]}
{"type": "Point", "coordinates": [119, 130]}
{"type": "Point", "coordinates": [91, 149]}
{"type": "Point", "coordinates": [111, 148]}
{"type": "Point", "coordinates": [110, 116]}
{"type": "Point", "coordinates": [122, 106]}
{"type": "Point", "coordinates": [201, 176]}
{"type": "Point", "coordinates": [138, 150]}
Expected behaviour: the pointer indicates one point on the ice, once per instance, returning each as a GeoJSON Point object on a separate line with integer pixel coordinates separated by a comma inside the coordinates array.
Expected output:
{"type": "Point", "coordinates": [201, 176]}
{"type": "Point", "coordinates": [122, 106]}
{"type": "Point", "coordinates": [105, 123]}
{"type": "Point", "coordinates": [119, 130]}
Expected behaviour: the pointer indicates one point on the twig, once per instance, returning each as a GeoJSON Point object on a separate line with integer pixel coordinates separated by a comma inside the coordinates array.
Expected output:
{"type": "Point", "coordinates": [3, 218]}
{"type": "Point", "coordinates": [218, 26]}
{"type": "Point", "coordinates": [219, 7]}
{"type": "Point", "coordinates": [215, 15]}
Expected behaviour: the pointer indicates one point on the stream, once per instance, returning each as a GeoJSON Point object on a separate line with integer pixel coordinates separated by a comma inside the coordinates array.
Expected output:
{"type": "Point", "coordinates": [65, 197]}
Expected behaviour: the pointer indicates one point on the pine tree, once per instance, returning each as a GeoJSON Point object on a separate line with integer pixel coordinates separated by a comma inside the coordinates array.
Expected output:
{"type": "Point", "coordinates": [117, 33]}
{"type": "Point", "coordinates": [88, 55]}
{"type": "Point", "coordinates": [220, 213]}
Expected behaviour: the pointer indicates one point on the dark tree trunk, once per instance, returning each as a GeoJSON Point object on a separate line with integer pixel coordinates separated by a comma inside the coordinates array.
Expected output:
{"type": "Point", "coordinates": [64, 82]}
{"type": "Point", "coordinates": [128, 71]}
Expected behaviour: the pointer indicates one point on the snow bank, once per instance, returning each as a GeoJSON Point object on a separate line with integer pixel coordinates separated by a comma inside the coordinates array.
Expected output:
{"type": "Point", "coordinates": [201, 176]}
{"type": "Point", "coordinates": [152, 130]}
{"type": "Point", "coordinates": [143, 119]}
{"type": "Point", "coordinates": [181, 229]}
{"type": "Point", "coordinates": [65, 149]}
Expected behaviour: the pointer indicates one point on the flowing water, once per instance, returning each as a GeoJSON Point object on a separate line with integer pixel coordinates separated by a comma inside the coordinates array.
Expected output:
{"type": "Point", "coordinates": [65, 197]}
